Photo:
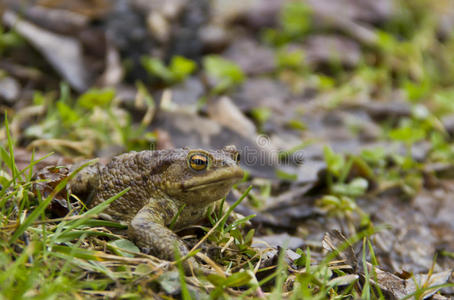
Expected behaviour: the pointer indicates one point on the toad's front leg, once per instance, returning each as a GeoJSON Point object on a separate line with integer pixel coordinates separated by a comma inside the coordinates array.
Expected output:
{"type": "Point", "coordinates": [147, 229]}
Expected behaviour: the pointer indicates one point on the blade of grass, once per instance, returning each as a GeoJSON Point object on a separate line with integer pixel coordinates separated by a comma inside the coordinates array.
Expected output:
{"type": "Point", "coordinates": [21, 260]}
{"type": "Point", "coordinates": [93, 211]}
{"type": "Point", "coordinates": [366, 290]}
{"type": "Point", "coordinates": [30, 173]}
{"type": "Point", "coordinates": [29, 167]}
{"type": "Point", "coordinates": [77, 234]}
{"type": "Point", "coordinates": [281, 272]}
{"type": "Point", "coordinates": [239, 222]}
{"type": "Point", "coordinates": [65, 227]}
{"type": "Point", "coordinates": [6, 158]}
{"type": "Point", "coordinates": [232, 207]}
{"type": "Point", "coordinates": [422, 290]}
{"type": "Point", "coordinates": [13, 168]}
{"type": "Point", "coordinates": [184, 288]}
{"type": "Point", "coordinates": [104, 223]}
{"type": "Point", "coordinates": [42, 206]}
{"type": "Point", "coordinates": [174, 219]}
{"type": "Point", "coordinates": [222, 220]}
{"type": "Point", "coordinates": [374, 274]}
{"type": "Point", "coordinates": [88, 223]}
{"type": "Point", "coordinates": [78, 253]}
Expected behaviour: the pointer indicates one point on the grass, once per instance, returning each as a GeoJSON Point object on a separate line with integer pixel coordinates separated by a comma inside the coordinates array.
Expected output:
{"type": "Point", "coordinates": [75, 256]}
{"type": "Point", "coordinates": [79, 256]}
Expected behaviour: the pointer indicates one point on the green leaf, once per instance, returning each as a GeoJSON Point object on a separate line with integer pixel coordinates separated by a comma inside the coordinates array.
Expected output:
{"type": "Point", "coordinates": [178, 69]}
{"type": "Point", "coordinates": [96, 97]}
{"type": "Point", "coordinates": [216, 280]}
{"type": "Point", "coordinates": [300, 261]}
{"type": "Point", "coordinates": [330, 200]}
{"type": "Point", "coordinates": [407, 134]}
{"type": "Point", "coordinates": [355, 188]}
{"type": "Point", "coordinates": [296, 19]}
{"type": "Point", "coordinates": [287, 59]}
{"type": "Point", "coordinates": [226, 72]}
{"type": "Point", "coordinates": [335, 162]}
{"type": "Point", "coordinates": [181, 67]}
{"type": "Point", "coordinates": [157, 68]}
{"type": "Point", "coordinates": [38, 98]}
{"type": "Point", "coordinates": [386, 41]}
{"type": "Point", "coordinates": [376, 155]}
{"type": "Point", "coordinates": [9, 40]}
{"type": "Point", "coordinates": [249, 237]}
{"type": "Point", "coordinates": [261, 114]}
{"type": "Point", "coordinates": [146, 269]}
{"type": "Point", "coordinates": [297, 124]}
{"type": "Point", "coordinates": [286, 176]}
{"type": "Point", "coordinates": [325, 82]}
{"type": "Point", "coordinates": [443, 99]}
{"type": "Point", "coordinates": [170, 282]}
{"type": "Point", "coordinates": [123, 244]}
{"type": "Point", "coordinates": [67, 115]}
{"type": "Point", "coordinates": [417, 90]}
{"type": "Point", "coordinates": [237, 279]}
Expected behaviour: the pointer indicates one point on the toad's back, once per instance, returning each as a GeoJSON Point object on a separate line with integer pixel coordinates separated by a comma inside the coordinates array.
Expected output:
{"type": "Point", "coordinates": [141, 172]}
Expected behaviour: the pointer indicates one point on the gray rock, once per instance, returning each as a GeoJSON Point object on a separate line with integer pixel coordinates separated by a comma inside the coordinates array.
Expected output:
{"type": "Point", "coordinates": [65, 54]}
{"type": "Point", "coordinates": [448, 123]}
{"type": "Point", "coordinates": [261, 92]}
{"type": "Point", "coordinates": [9, 89]}
{"type": "Point", "coordinates": [188, 92]}
{"type": "Point", "coordinates": [322, 49]}
{"type": "Point", "coordinates": [278, 240]}
{"type": "Point", "coordinates": [251, 57]}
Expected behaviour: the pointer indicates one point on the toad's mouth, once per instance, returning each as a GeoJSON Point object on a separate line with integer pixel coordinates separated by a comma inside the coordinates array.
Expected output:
{"type": "Point", "coordinates": [209, 183]}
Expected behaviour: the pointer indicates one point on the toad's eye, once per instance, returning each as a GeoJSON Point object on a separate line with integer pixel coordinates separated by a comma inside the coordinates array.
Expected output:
{"type": "Point", "coordinates": [198, 162]}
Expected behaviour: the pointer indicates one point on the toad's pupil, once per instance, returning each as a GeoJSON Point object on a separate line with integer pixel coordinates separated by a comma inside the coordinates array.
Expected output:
{"type": "Point", "coordinates": [199, 161]}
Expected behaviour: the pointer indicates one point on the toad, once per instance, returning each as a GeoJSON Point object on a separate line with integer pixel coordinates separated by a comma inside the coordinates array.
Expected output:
{"type": "Point", "coordinates": [162, 184]}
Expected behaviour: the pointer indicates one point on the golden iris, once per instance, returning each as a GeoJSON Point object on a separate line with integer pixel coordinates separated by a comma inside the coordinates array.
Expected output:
{"type": "Point", "coordinates": [198, 162]}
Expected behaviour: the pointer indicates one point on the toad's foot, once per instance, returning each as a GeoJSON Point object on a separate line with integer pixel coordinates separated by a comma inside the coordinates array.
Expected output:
{"type": "Point", "coordinates": [152, 236]}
